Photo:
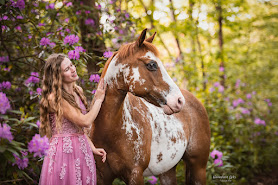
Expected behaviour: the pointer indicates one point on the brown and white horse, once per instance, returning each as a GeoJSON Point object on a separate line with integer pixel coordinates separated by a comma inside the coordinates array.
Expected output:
{"type": "Point", "coordinates": [146, 123]}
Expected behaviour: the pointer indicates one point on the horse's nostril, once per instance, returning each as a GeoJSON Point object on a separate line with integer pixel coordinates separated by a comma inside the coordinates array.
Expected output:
{"type": "Point", "coordinates": [179, 100]}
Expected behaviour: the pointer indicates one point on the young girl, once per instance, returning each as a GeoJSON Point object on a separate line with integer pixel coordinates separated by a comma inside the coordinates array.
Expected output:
{"type": "Point", "coordinates": [64, 117]}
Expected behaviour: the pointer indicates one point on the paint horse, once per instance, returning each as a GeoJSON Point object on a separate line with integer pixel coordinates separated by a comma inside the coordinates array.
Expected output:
{"type": "Point", "coordinates": [146, 123]}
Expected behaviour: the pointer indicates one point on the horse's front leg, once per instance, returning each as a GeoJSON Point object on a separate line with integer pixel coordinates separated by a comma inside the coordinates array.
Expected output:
{"type": "Point", "coordinates": [168, 177]}
{"type": "Point", "coordinates": [136, 176]}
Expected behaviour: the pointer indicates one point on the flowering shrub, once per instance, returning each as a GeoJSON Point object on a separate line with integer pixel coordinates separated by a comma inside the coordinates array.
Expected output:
{"type": "Point", "coordinates": [30, 32]}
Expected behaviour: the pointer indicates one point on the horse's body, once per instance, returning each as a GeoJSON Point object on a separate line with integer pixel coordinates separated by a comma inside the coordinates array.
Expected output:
{"type": "Point", "coordinates": [139, 138]}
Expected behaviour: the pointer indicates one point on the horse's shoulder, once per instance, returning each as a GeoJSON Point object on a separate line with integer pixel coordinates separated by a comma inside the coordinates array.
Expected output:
{"type": "Point", "coordinates": [192, 101]}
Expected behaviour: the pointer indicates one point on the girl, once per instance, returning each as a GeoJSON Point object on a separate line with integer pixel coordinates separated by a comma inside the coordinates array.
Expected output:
{"type": "Point", "coordinates": [64, 117]}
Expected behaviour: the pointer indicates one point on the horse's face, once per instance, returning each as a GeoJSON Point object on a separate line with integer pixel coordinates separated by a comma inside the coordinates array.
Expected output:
{"type": "Point", "coordinates": [144, 75]}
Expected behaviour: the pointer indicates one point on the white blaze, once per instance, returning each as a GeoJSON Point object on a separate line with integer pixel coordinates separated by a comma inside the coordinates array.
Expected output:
{"type": "Point", "coordinates": [174, 90]}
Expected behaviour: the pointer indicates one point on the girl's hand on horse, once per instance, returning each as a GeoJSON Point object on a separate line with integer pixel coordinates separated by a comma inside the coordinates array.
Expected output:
{"type": "Point", "coordinates": [101, 152]}
{"type": "Point", "coordinates": [100, 92]}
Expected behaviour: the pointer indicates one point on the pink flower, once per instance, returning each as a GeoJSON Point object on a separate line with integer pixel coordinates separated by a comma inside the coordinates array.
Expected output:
{"type": "Point", "coordinates": [218, 162]}
{"type": "Point", "coordinates": [71, 39]}
{"type": "Point", "coordinates": [4, 103]}
{"type": "Point", "coordinates": [38, 123]}
{"type": "Point", "coordinates": [221, 69]}
{"type": "Point", "coordinates": [153, 180]}
{"type": "Point", "coordinates": [5, 132]}
{"type": "Point", "coordinates": [221, 89]}
{"type": "Point", "coordinates": [39, 91]}
{"type": "Point", "coordinates": [248, 96]}
{"type": "Point", "coordinates": [33, 78]}
{"type": "Point", "coordinates": [66, 20]}
{"type": "Point", "coordinates": [244, 111]}
{"type": "Point", "coordinates": [94, 91]}
{"type": "Point", "coordinates": [41, 24]}
{"type": "Point", "coordinates": [258, 121]}
{"type": "Point", "coordinates": [39, 145]}
{"type": "Point", "coordinates": [18, 28]}
{"type": "Point", "coordinates": [44, 41]}
{"type": "Point", "coordinates": [50, 6]}
{"type": "Point", "coordinates": [19, 17]}
{"type": "Point", "coordinates": [211, 89]}
{"type": "Point", "coordinates": [94, 78]}
{"type": "Point", "coordinates": [21, 162]}
{"type": "Point", "coordinates": [107, 54]}
{"type": "Point", "coordinates": [90, 21]}
{"type": "Point", "coordinates": [215, 153]}
{"type": "Point", "coordinates": [73, 55]}
{"type": "Point", "coordinates": [69, 4]}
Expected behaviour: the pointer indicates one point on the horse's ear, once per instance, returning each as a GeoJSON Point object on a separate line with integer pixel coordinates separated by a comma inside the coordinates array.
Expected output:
{"type": "Point", "coordinates": [150, 39]}
{"type": "Point", "coordinates": [142, 37]}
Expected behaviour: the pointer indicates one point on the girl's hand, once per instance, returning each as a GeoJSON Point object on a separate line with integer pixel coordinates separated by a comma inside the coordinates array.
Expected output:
{"type": "Point", "coordinates": [101, 152]}
{"type": "Point", "coordinates": [100, 93]}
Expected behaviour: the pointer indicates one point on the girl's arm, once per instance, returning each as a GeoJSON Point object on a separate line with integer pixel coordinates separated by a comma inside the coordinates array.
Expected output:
{"type": "Point", "coordinates": [75, 116]}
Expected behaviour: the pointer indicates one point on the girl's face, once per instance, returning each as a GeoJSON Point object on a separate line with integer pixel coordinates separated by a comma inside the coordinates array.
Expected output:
{"type": "Point", "coordinates": [69, 74]}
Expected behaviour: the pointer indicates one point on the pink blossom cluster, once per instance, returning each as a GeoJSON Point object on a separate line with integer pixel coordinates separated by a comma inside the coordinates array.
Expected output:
{"type": "Point", "coordinates": [90, 21]}
{"type": "Point", "coordinates": [75, 54]}
{"type": "Point", "coordinates": [39, 145]}
{"type": "Point", "coordinates": [5, 85]}
{"type": "Point", "coordinates": [4, 59]}
{"type": "Point", "coordinates": [268, 102]}
{"type": "Point", "coordinates": [45, 41]}
{"type": "Point", "coordinates": [237, 102]}
{"type": "Point", "coordinates": [107, 54]}
{"type": "Point", "coordinates": [259, 121]}
{"type": "Point", "coordinates": [21, 162]}
{"type": "Point", "coordinates": [4, 103]}
{"type": "Point", "coordinates": [33, 78]}
{"type": "Point", "coordinates": [152, 180]}
{"type": "Point", "coordinates": [71, 39]}
{"type": "Point", "coordinates": [217, 156]}
{"type": "Point", "coordinates": [5, 132]}
{"type": "Point", "coordinates": [18, 4]}
{"type": "Point", "coordinates": [50, 6]}
{"type": "Point", "coordinates": [94, 78]}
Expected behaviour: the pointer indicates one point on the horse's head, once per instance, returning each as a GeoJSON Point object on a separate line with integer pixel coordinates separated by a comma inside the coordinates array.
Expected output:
{"type": "Point", "coordinates": [136, 68]}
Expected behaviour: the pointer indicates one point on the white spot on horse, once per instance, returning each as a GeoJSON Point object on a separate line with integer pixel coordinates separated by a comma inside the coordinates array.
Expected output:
{"type": "Point", "coordinates": [113, 71]}
{"type": "Point", "coordinates": [165, 153]}
{"type": "Point", "coordinates": [132, 77]}
{"type": "Point", "coordinates": [130, 126]}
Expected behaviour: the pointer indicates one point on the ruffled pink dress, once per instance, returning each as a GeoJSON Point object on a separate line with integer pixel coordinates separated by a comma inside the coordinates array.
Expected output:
{"type": "Point", "coordinates": [69, 159]}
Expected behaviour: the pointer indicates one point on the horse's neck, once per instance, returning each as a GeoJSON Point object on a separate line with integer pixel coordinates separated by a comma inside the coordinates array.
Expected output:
{"type": "Point", "coordinates": [111, 105]}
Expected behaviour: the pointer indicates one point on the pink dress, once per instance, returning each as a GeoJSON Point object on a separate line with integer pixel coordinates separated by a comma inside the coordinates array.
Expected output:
{"type": "Point", "coordinates": [69, 160]}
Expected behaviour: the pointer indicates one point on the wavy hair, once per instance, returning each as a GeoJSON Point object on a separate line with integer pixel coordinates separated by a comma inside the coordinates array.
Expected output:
{"type": "Point", "coordinates": [52, 84]}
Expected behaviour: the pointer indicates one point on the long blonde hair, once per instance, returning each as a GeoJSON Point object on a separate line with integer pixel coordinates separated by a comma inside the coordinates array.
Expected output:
{"type": "Point", "coordinates": [52, 83]}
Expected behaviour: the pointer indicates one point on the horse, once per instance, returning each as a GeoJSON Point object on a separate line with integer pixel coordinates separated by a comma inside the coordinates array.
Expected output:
{"type": "Point", "coordinates": [146, 123]}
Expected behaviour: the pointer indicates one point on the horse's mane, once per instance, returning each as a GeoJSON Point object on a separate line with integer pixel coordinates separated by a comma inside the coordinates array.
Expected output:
{"type": "Point", "coordinates": [129, 49]}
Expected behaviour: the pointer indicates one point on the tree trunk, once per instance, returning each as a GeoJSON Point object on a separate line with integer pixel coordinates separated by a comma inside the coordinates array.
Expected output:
{"type": "Point", "coordinates": [220, 41]}
{"type": "Point", "coordinates": [175, 34]}
{"type": "Point", "coordinates": [93, 45]}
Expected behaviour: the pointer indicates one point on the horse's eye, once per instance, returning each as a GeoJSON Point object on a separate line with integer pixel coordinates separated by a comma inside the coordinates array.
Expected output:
{"type": "Point", "coordinates": [152, 65]}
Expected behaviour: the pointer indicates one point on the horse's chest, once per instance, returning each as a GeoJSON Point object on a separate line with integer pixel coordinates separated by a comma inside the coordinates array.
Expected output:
{"type": "Point", "coordinates": [168, 138]}
{"type": "Point", "coordinates": [168, 141]}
